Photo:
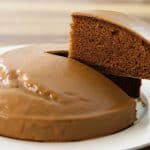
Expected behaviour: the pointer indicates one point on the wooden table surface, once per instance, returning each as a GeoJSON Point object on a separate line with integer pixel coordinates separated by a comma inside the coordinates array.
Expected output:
{"type": "Point", "coordinates": [47, 21]}
{"type": "Point", "coordinates": [43, 21]}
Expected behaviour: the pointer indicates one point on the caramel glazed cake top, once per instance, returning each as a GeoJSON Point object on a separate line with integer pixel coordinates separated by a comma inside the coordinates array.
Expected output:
{"type": "Point", "coordinates": [131, 59]}
{"type": "Point", "coordinates": [45, 97]}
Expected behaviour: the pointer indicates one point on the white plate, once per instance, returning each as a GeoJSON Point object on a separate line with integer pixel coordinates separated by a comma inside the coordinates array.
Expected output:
{"type": "Point", "coordinates": [136, 136]}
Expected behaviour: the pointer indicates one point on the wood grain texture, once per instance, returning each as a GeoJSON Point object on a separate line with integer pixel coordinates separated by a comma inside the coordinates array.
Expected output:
{"type": "Point", "coordinates": [36, 21]}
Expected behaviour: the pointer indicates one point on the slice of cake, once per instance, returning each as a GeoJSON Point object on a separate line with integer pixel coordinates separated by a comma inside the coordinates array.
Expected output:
{"type": "Point", "coordinates": [118, 44]}
{"type": "Point", "coordinates": [45, 97]}
{"type": "Point", "coordinates": [130, 85]}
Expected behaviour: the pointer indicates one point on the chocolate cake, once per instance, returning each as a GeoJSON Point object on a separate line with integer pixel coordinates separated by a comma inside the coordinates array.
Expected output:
{"type": "Point", "coordinates": [44, 97]}
{"type": "Point", "coordinates": [130, 85]}
{"type": "Point", "coordinates": [116, 43]}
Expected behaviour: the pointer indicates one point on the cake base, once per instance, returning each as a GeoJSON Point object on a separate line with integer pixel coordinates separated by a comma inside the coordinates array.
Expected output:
{"type": "Point", "coordinates": [53, 98]}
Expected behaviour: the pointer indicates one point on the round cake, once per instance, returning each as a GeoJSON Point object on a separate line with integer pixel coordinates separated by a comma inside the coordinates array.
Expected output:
{"type": "Point", "coordinates": [44, 97]}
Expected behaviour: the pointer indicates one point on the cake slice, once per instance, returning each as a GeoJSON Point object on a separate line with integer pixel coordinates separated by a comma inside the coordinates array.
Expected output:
{"type": "Point", "coordinates": [116, 43]}
{"type": "Point", "coordinates": [44, 97]}
{"type": "Point", "coordinates": [130, 85]}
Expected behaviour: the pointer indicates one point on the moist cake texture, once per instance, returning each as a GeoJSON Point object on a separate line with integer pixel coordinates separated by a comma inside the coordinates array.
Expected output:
{"type": "Point", "coordinates": [44, 97]}
{"type": "Point", "coordinates": [114, 42]}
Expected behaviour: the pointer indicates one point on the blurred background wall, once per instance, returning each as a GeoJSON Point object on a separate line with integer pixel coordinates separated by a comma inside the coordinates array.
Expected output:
{"type": "Point", "coordinates": [45, 21]}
